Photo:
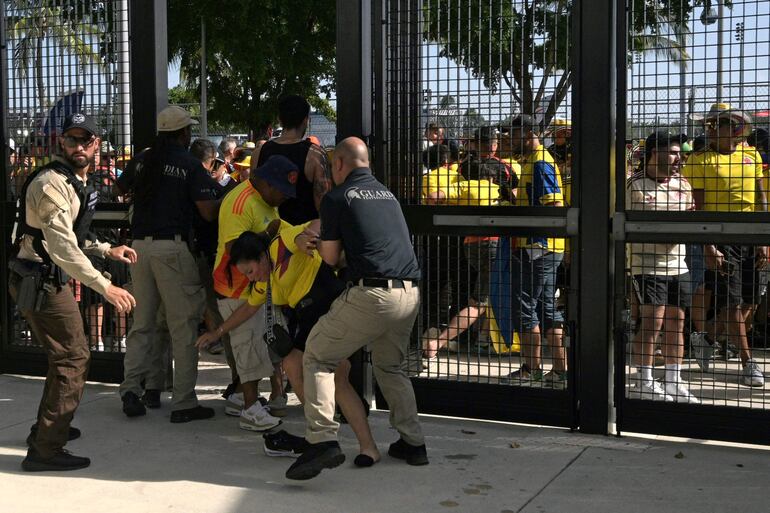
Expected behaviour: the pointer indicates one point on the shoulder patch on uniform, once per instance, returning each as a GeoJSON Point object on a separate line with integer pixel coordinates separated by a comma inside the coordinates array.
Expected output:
{"type": "Point", "coordinates": [56, 197]}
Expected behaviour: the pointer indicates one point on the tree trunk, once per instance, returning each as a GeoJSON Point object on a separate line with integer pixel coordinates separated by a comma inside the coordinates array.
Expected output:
{"type": "Point", "coordinates": [41, 99]}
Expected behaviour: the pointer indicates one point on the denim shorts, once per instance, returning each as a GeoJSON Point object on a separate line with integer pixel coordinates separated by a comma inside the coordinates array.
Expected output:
{"type": "Point", "coordinates": [533, 290]}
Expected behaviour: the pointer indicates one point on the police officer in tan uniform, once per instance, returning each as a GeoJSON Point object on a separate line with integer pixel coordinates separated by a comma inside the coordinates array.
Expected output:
{"type": "Point", "coordinates": [52, 239]}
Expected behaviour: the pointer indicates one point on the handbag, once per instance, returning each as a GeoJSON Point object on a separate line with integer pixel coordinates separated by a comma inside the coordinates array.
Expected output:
{"type": "Point", "coordinates": [276, 336]}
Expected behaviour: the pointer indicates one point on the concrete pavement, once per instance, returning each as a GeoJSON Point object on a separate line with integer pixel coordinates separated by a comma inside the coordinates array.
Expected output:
{"type": "Point", "coordinates": [149, 465]}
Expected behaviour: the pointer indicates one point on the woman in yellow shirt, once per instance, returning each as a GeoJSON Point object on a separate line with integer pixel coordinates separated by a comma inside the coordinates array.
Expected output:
{"type": "Point", "coordinates": [300, 280]}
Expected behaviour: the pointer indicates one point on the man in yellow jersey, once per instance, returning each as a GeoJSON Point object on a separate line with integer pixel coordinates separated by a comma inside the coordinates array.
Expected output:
{"type": "Point", "coordinates": [251, 206]}
{"type": "Point", "coordinates": [724, 179]}
{"type": "Point", "coordinates": [535, 261]}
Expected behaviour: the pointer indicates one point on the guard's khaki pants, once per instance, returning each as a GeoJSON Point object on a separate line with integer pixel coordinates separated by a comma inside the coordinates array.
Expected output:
{"type": "Point", "coordinates": [383, 319]}
{"type": "Point", "coordinates": [165, 273]}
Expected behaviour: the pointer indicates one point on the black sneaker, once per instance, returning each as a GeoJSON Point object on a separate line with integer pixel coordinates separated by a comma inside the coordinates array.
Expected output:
{"type": "Point", "coordinates": [132, 405]}
{"type": "Point", "coordinates": [62, 460]}
{"type": "Point", "coordinates": [151, 398]}
{"type": "Point", "coordinates": [314, 459]}
{"type": "Point", "coordinates": [284, 444]}
{"type": "Point", "coordinates": [74, 434]}
{"type": "Point", "coordinates": [190, 414]}
{"type": "Point", "coordinates": [412, 454]}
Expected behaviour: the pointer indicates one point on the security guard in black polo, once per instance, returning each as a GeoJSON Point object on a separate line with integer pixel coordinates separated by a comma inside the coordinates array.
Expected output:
{"type": "Point", "coordinates": [363, 218]}
{"type": "Point", "coordinates": [52, 239]}
{"type": "Point", "coordinates": [167, 183]}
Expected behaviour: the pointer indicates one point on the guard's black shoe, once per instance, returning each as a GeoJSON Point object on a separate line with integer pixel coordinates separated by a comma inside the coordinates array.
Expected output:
{"type": "Point", "coordinates": [412, 454]}
{"type": "Point", "coordinates": [197, 413]}
{"type": "Point", "coordinates": [74, 434]}
{"type": "Point", "coordinates": [62, 460]}
{"type": "Point", "coordinates": [151, 398]}
{"type": "Point", "coordinates": [314, 459]}
{"type": "Point", "coordinates": [132, 405]}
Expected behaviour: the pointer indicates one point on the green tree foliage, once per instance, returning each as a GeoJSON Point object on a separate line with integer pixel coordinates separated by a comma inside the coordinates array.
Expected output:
{"type": "Point", "coordinates": [256, 52]}
{"type": "Point", "coordinates": [518, 43]}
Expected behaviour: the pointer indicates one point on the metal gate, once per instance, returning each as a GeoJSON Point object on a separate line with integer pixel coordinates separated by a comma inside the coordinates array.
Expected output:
{"type": "Point", "coordinates": [450, 80]}
{"type": "Point", "coordinates": [702, 72]}
{"type": "Point", "coordinates": [56, 58]}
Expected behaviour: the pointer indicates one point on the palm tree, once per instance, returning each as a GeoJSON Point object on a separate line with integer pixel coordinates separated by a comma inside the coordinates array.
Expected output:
{"type": "Point", "coordinates": [30, 22]}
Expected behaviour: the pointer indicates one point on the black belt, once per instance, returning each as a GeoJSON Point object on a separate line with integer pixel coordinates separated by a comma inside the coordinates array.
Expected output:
{"type": "Point", "coordinates": [385, 283]}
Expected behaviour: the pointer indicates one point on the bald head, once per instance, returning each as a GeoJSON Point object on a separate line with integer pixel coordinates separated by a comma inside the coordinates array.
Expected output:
{"type": "Point", "coordinates": [349, 154]}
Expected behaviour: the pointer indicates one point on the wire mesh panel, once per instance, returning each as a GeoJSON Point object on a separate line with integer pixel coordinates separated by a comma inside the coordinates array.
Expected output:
{"type": "Point", "coordinates": [478, 125]}
{"type": "Point", "coordinates": [491, 313]}
{"type": "Point", "coordinates": [696, 141]}
{"type": "Point", "coordinates": [67, 56]}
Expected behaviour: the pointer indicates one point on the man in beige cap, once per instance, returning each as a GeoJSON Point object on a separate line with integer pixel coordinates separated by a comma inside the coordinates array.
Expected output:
{"type": "Point", "coordinates": [724, 180]}
{"type": "Point", "coordinates": [167, 184]}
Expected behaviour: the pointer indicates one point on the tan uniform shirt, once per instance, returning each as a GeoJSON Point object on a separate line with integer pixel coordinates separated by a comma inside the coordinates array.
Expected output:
{"type": "Point", "coordinates": [52, 205]}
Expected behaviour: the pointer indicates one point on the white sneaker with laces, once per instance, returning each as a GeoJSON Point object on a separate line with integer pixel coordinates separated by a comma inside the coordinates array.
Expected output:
{"type": "Point", "coordinates": [680, 393]}
{"type": "Point", "coordinates": [234, 404]}
{"type": "Point", "coordinates": [650, 392]}
{"type": "Point", "coordinates": [257, 418]}
{"type": "Point", "coordinates": [751, 375]}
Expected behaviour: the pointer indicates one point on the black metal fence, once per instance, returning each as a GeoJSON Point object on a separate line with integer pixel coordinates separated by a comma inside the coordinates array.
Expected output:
{"type": "Point", "coordinates": [60, 57]}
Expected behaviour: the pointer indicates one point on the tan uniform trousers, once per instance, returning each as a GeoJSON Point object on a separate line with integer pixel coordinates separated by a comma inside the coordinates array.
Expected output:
{"type": "Point", "coordinates": [165, 274]}
{"type": "Point", "coordinates": [59, 327]}
{"type": "Point", "coordinates": [382, 318]}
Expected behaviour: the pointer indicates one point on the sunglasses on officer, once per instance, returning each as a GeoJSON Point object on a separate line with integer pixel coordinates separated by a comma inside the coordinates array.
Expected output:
{"type": "Point", "coordinates": [72, 141]}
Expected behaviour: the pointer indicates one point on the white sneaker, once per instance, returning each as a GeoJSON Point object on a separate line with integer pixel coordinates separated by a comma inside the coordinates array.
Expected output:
{"type": "Point", "coordinates": [234, 404]}
{"type": "Point", "coordinates": [680, 393]}
{"type": "Point", "coordinates": [751, 375]}
{"type": "Point", "coordinates": [650, 392]}
{"type": "Point", "coordinates": [257, 418]}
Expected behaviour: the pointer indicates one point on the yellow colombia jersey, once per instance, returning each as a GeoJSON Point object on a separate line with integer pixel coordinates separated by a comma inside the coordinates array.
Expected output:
{"type": "Point", "coordinates": [752, 153]}
{"type": "Point", "coordinates": [459, 191]}
{"type": "Point", "coordinates": [242, 209]}
{"type": "Point", "coordinates": [540, 184]}
{"type": "Point", "coordinates": [293, 273]}
{"type": "Point", "coordinates": [729, 181]}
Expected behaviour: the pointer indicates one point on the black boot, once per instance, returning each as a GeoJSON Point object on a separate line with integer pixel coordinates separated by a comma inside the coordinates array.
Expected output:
{"type": "Point", "coordinates": [412, 454]}
{"type": "Point", "coordinates": [61, 460]}
{"type": "Point", "coordinates": [132, 405]}
{"type": "Point", "coordinates": [314, 459]}
{"type": "Point", "coordinates": [197, 413]}
{"type": "Point", "coordinates": [151, 398]}
{"type": "Point", "coordinates": [74, 434]}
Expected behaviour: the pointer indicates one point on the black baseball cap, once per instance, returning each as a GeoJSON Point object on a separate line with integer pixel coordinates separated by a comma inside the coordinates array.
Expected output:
{"type": "Point", "coordinates": [662, 139]}
{"type": "Point", "coordinates": [79, 120]}
{"type": "Point", "coordinates": [219, 158]}
{"type": "Point", "coordinates": [281, 173]}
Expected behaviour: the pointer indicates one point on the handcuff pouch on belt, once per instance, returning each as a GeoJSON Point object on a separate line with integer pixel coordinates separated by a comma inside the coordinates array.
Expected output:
{"type": "Point", "coordinates": [34, 283]}
{"type": "Point", "coordinates": [276, 336]}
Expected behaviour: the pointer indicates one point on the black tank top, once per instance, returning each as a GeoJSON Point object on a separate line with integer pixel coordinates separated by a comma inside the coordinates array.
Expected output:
{"type": "Point", "coordinates": [302, 208]}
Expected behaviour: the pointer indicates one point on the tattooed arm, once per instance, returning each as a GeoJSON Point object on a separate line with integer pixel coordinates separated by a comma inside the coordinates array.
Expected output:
{"type": "Point", "coordinates": [318, 171]}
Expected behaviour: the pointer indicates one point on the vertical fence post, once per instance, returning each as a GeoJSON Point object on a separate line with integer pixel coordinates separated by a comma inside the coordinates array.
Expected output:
{"type": "Point", "coordinates": [354, 116]}
{"type": "Point", "coordinates": [149, 67]}
{"type": "Point", "coordinates": [594, 122]}
{"type": "Point", "coordinates": [6, 207]}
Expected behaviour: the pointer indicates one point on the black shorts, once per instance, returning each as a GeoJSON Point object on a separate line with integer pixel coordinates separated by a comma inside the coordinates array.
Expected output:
{"type": "Point", "coordinates": [659, 290]}
{"type": "Point", "coordinates": [738, 282]}
{"type": "Point", "coordinates": [325, 289]}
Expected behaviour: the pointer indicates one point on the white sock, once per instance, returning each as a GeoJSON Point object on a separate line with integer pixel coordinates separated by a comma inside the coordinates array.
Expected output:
{"type": "Point", "coordinates": [645, 373]}
{"type": "Point", "coordinates": [673, 372]}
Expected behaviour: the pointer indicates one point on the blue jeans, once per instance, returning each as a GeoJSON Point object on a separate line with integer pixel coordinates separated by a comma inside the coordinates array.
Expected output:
{"type": "Point", "coordinates": [533, 290]}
